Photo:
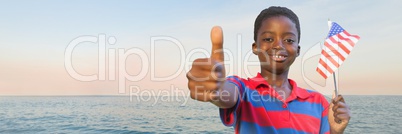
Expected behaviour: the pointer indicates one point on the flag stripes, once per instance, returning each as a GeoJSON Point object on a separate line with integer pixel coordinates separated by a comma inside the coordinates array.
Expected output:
{"type": "Point", "coordinates": [336, 49]}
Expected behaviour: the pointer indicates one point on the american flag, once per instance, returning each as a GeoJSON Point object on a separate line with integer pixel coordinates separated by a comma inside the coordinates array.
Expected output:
{"type": "Point", "coordinates": [337, 47]}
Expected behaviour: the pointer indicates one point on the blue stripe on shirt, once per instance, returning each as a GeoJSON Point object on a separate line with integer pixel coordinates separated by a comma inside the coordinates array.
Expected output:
{"type": "Point", "coordinates": [307, 108]}
{"type": "Point", "coordinates": [253, 128]}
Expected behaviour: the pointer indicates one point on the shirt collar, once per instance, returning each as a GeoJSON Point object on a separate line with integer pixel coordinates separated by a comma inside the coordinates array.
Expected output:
{"type": "Point", "coordinates": [296, 91]}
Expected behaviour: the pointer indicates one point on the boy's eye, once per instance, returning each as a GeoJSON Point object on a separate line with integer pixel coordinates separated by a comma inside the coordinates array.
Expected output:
{"type": "Point", "coordinates": [268, 39]}
{"type": "Point", "coordinates": [289, 40]}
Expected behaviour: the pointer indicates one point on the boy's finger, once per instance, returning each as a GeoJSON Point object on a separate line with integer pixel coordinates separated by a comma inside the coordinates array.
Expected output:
{"type": "Point", "coordinates": [343, 117]}
{"type": "Point", "coordinates": [217, 43]}
{"type": "Point", "coordinates": [340, 99]}
{"type": "Point", "coordinates": [334, 108]}
{"type": "Point", "coordinates": [343, 105]}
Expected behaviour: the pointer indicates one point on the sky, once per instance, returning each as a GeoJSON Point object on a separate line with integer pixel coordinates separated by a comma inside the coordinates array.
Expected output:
{"type": "Point", "coordinates": [141, 47]}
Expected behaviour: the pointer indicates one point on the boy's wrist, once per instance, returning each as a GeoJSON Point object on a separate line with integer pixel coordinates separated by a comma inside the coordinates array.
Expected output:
{"type": "Point", "coordinates": [335, 132]}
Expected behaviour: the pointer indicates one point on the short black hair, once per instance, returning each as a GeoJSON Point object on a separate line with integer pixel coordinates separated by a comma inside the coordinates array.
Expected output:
{"type": "Point", "coordinates": [274, 11]}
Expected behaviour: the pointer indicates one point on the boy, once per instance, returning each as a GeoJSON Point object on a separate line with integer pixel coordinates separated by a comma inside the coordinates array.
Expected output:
{"type": "Point", "coordinates": [269, 102]}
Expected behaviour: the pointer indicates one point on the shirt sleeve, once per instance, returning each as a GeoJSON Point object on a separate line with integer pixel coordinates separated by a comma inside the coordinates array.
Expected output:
{"type": "Point", "coordinates": [324, 128]}
{"type": "Point", "coordinates": [229, 115]}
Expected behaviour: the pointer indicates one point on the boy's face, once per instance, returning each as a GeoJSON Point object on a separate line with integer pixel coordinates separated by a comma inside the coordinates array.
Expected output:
{"type": "Point", "coordinates": [277, 45]}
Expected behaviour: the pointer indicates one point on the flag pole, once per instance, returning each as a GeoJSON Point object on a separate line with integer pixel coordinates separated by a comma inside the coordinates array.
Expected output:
{"type": "Point", "coordinates": [336, 87]}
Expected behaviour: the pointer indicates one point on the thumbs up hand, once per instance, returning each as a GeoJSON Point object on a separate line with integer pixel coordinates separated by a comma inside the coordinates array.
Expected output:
{"type": "Point", "coordinates": [207, 75]}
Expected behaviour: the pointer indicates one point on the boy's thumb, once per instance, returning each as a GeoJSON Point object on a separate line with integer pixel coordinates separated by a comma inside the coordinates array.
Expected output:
{"type": "Point", "coordinates": [217, 44]}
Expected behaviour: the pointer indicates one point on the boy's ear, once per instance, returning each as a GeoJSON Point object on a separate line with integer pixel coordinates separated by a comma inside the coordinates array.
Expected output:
{"type": "Point", "coordinates": [298, 51]}
{"type": "Point", "coordinates": [255, 48]}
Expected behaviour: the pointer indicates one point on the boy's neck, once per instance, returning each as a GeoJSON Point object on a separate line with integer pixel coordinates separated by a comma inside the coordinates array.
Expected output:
{"type": "Point", "coordinates": [277, 81]}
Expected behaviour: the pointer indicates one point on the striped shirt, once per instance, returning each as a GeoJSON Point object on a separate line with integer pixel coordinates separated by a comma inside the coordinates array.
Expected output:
{"type": "Point", "coordinates": [260, 109]}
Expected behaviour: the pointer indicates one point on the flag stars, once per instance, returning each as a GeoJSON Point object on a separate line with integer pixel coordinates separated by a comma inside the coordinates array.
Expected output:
{"type": "Point", "coordinates": [335, 29]}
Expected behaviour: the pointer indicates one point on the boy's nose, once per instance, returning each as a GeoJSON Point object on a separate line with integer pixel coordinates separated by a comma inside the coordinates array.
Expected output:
{"type": "Point", "coordinates": [278, 44]}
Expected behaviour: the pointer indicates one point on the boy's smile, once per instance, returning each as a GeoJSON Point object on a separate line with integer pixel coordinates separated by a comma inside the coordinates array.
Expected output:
{"type": "Point", "coordinates": [278, 56]}
{"type": "Point", "coordinates": [277, 44]}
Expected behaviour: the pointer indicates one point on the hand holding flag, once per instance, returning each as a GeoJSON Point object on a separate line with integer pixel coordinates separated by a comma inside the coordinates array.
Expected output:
{"type": "Point", "coordinates": [337, 48]}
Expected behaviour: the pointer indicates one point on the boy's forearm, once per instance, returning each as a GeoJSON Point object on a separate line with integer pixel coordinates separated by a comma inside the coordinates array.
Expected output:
{"type": "Point", "coordinates": [227, 96]}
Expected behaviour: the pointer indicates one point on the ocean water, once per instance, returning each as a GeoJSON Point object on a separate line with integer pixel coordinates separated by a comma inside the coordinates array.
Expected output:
{"type": "Point", "coordinates": [122, 114]}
